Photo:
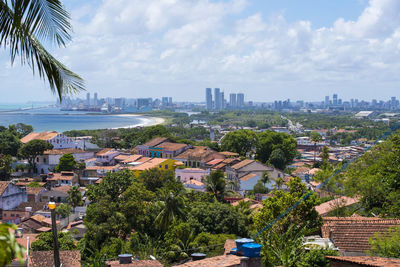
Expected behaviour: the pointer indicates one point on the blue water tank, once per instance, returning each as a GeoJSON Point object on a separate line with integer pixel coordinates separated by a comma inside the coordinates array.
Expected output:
{"type": "Point", "coordinates": [251, 250]}
{"type": "Point", "coordinates": [240, 242]}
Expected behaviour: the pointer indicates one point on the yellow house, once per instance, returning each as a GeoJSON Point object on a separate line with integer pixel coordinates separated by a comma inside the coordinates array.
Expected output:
{"type": "Point", "coordinates": [162, 164]}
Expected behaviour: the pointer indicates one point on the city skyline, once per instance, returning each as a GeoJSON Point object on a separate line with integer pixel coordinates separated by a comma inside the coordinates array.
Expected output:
{"type": "Point", "coordinates": [271, 50]}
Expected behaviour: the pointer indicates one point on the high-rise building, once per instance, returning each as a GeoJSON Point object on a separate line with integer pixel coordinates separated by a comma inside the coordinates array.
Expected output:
{"type": "Point", "coordinates": [88, 99]}
{"type": "Point", "coordinates": [335, 100]}
{"type": "Point", "coordinates": [217, 99]}
{"type": "Point", "coordinates": [232, 100]}
{"type": "Point", "coordinates": [170, 101]}
{"type": "Point", "coordinates": [95, 100]}
{"type": "Point", "coordinates": [240, 100]}
{"type": "Point", "coordinates": [164, 101]}
{"type": "Point", "coordinates": [209, 105]}
{"type": "Point", "coordinates": [222, 100]}
{"type": "Point", "coordinates": [327, 101]}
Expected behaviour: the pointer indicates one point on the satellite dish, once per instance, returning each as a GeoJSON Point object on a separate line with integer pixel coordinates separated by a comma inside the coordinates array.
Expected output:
{"type": "Point", "coordinates": [152, 257]}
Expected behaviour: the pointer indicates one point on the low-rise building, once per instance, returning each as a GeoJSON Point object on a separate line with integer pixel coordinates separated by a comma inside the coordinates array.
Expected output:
{"type": "Point", "coordinates": [159, 163]}
{"type": "Point", "coordinates": [63, 178]}
{"type": "Point", "coordinates": [149, 148]}
{"type": "Point", "coordinates": [197, 156]}
{"type": "Point", "coordinates": [11, 195]}
{"type": "Point", "coordinates": [170, 150]}
{"type": "Point", "coordinates": [187, 174]}
{"type": "Point", "coordinates": [106, 157]}
{"type": "Point", "coordinates": [58, 140]}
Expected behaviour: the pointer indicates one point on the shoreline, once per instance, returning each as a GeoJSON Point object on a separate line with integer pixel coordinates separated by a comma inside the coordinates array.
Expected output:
{"type": "Point", "coordinates": [146, 121]}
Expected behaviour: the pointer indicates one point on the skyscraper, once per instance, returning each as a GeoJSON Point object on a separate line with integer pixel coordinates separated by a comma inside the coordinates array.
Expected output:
{"type": "Point", "coordinates": [335, 100]}
{"type": "Point", "coordinates": [222, 100]}
{"type": "Point", "coordinates": [240, 100]}
{"type": "Point", "coordinates": [95, 101]}
{"type": "Point", "coordinates": [164, 101]}
{"type": "Point", "coordinates": [326, 101]}
{"type": "Point", "coordinates": [232, 100]}
{"type": "Point", "coordinates": [170, 101]}
{"type": "Point", "coordinates": [217, 99]}
{"type": "Point", "coordinates": [209, 105]}
{"type": "Point", "coordinates": [88, 99]}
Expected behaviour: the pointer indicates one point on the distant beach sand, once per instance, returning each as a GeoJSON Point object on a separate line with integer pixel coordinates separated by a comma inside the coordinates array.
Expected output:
{"type": "Point", "coordinates": [145, 121]}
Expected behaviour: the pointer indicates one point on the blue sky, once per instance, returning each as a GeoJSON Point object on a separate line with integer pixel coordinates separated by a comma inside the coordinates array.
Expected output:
{"type": "Point", "coordinates": [266, 49]}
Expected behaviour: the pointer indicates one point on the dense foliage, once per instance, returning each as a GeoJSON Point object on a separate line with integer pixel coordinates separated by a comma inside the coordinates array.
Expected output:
{"type": "Point", "coordinates": [386, 245]}
{"type": "Point", "coordinates": [44, 241]}
{"type": "Point", "coordinates": [66, 163]}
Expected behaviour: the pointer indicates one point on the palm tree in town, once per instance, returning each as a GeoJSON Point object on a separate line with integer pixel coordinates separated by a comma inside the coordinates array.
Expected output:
{"type": "Point", "coordinates": [215, 183]}
{"type": "Point", "coordinates": [24, 24]}
{"type": "Point", "coordinates": [315, 138]}
{"type": "Point", "coordinates": [279, 183]}
{"type": "Point", "coordinates": [172, 207]}
{"type": "Point", "coordinates": [265, 178]}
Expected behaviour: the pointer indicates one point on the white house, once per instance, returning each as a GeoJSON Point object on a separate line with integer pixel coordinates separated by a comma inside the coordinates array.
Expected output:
{"type": "Point", "coordinates": [11, 195]}
{"type": "Point", "coordinates": [58, 140]}
{"type": "Point", "coordinates": [50, 158]}
{"type": "Point", "coordinates": [106, 156]}
{"type": "Point", "coordinates": [188, 174]}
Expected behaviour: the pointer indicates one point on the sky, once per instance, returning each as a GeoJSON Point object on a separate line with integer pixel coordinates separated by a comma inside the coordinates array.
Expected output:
{"type": "Point", "coordinates": [267, 49]}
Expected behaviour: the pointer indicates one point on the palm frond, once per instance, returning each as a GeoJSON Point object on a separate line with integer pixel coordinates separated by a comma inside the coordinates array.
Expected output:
{"type": "Point", "coordinates": [18, 36]}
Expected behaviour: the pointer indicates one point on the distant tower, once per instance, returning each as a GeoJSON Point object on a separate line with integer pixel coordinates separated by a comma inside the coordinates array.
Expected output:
{"type": "Point", "coordinates": [217, 98]}
{"type": "Point", "coordinates": [232, 100]}
{"type": "Point", "coordinates": [88, 99]}
{"type": "Point", "coordinates": [327, 101]}
{"type": "Point", "coordinates": [170, 101]}
{"type": "Point", "coordinates": [335, 100]}
{"type": "Point", "coordinates": [240, 100]}
{"type": "Point", "coordinates": [208, 99]}
{"type": "Point", "coordinates": [164, 101]}
{"type": "Point", "coordinates": [222, 100]}
{"type": "Point", "coordinates": [95, 101]}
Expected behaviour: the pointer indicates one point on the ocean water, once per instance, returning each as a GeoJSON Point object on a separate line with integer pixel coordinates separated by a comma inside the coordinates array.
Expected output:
{"type": "Point", "coordinates": [51, 118]}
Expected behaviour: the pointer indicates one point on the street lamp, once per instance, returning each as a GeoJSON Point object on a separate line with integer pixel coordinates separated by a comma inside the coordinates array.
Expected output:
{"type": "Point", "coordinates": [52, 206]}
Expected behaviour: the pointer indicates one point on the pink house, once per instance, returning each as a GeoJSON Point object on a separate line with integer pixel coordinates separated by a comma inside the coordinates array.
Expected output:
{"type": "Point", "coordinates": [187, 174]}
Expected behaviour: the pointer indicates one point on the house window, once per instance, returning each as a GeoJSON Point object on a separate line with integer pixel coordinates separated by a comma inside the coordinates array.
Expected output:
{"type": "Point", "coordinates": [37, 159]}
{"type": "Point", "coordinates": [179, 178]}
{"type": "Point", "coordinates": [160, 166]}
{"type": "Point", "coordinates": [166, 166]}
{"type": "Point", "coordinates": [279, 175]}
{"type": "Point", "coordinates": [44, 160]}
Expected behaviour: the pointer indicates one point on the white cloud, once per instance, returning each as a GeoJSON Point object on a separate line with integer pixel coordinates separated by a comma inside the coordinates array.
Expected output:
{"type": "Point", "coordinates": [148, 48]}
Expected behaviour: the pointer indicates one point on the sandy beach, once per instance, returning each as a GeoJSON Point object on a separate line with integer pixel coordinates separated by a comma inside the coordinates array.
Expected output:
{"type": "Point", "coordinates": [145, 120]}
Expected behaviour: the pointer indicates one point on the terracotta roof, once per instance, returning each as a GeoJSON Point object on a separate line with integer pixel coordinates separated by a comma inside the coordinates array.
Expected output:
{"type": "Point", "coordinates": [253, 201]}
{"type": "Point", "coordinates": [214, 161]}
{"type": "Point", "coordinates": [242, 164]}
{"type": "Point", "coordinates": [366, 261]}
{"type": "Point", "coordinates": [38, 217]}
{"type": "Point", "coordinates": [171, 146]}
{"type": "Point", "coordinates": [344, 201]}
{"type": "Point", "coordinates": [46, 135]}
{"type": "Point", "coordinates": [122, 157]}
{"type": "Point", "coordinates": [3, 186]}
{"type": "Point", "coordinates": [63, 151]}
{"type": "Point", "coordinates": [138, 263]}
{"type": "Point", "coordinates": [153, 163]}
{"type": "Point", "coordinates": [220, 166]}
{"type": "Point", "coordinates": [63, 188]}
{"type": "Point", "coordinates": [68, 258]}
{"type": "Point", "coordinates": [248, 177]}
{"type": "Point", "coordinates": [313, 171]}
{"type": "Point", "coordinates": [143, 159]}
{"type": "Point", "coordinates": [300, 170]}
{"type": "Point", "coordinates": [106, 168]}
{"type": "Point", "coordinates": [352, 233]}
{"type": "Point", "coordinates": [229, 154]}
{"type": "Point", "coordinates": [34, 205]}
{"type": "Point", "coordinates": [218, 261]}
{"type": "Point", "coordinates": [43, 229]}
{"type": "Point", "coordinates": [155, 141]}
{"type": "Point", "coordinates": [91, 159]}
{"type": "Point", "coordinates": [68, 176]}
{"type": "Point", "coordinates": [196, 152]}
{"type": "Point", "coordinates": [132, 158]}
{"type": "Point", "coordinates": [106, 151]}
{"type": "Point", "coordinates": [230, 160]}
{"type": "Point", "coordinates": [34, 190]}
{"type": "Point", "coordinates": [23, 240]}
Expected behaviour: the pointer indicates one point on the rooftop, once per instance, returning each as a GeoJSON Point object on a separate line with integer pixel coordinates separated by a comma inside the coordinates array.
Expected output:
{"type": "Point", "coordinates": [171, 146]}
{"type": "Point", "coordinates": [248, 177]}
{"type": "Point", "coordinates": [156, 141]}
{"type": "Point", "coordinates": [333, 204]}
{"type": "Point", "coordinates": [3, 186]}
{"type": "Point", "coordinates": [366, 261]}
{"type": "Point", "coordinates": [63, 151]}
{"type": "Point", "coordinates": [46, 135]}
{"type": "Point", "coordinates": [242, 164]}
{"type": "Point", "coordinates": [196, 152]}
{"type": "Point", "coordinates": [352, 233]}
{"type": "Point", "coordinates": [68, 258]}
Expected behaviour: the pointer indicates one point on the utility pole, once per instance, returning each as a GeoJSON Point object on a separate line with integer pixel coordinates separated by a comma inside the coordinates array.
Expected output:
{"type": "Point", "coordinates": [52, 206]}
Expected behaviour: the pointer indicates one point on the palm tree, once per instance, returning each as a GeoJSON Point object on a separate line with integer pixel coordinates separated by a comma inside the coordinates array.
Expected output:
{"type": "Point", "coordinates": [215, 183]}
{"type": "Point", "coordinates": [9, 247]}
{"type": "Point", "coordinates": [279, 182]}
{"type": "Point", "coordinates": [265, 178]}
{"type": "Point", "coordinates": [74, 197]}
{"type": "Point", "coordinates": [24, 24]}
{"type": "Point", "coordinates": [315, 138]}
{"type": "Point", "coordinates": [172, 207]}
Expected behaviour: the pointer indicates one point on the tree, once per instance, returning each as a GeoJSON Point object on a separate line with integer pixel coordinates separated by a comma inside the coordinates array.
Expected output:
{"type": "Point", "coordinates": [5, 167]}
{"type": "Point", "coordinates": [280, 201]}
{"type": "Point", "coordinates": [279, 183]}
{"type": "Point", "coordinates": [269, 141]}
{"type": "Point", "coordinates": [9, 142]}
{"type": "Point", "coordinates": [156, 178]}
{"type": "Point", "coordinates": [9, 247]}
{"type": "Point", "coordinates": [33, 149]}
{"type": "Point", "coordinates": [315, 138]}
{"type": "Point", "coordinates": [66, 163]}
{"type": "Point", "coordinates": [215, 184]}
{"type": "Point", "coordinates": [241, 141]}
{"type": "Point", "coordinates": [172, 208]}
{"type": "Point", "coordinates": [386, 244]}
{"type": "Point", "coordinates": [23, 129]}
{"type": "Point", "coordinates": [24, 25]}
{"type": "Point", "coordinates": [325, 155]}
{"type": "Point", "coordinates": [277, 159]}
{"type": "Point", "coordinates": [63, 210]}
{"type": "Point", "coordinates": [179, 238]}
{"type": "Point", "coordinates": [216, 218]}
{"type": "Point", "coordinates": [316, 257]}
{"type": "Point", "coordinates": [34, 184]}
{"type": "Point", "coordinates": [45, 242]}
{"type": "Point", "coordinates": [259, 188]}
{"type": "Point", "coordinates": [74, 197]}
{"type": "Point", "coordinates": [265, 178]}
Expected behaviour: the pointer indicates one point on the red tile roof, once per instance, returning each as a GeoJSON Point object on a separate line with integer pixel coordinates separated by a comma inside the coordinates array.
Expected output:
{"type": "Point", "coordinates": [366, 261]}
{"type": "Point", "coordinates": [68, 258]}
{"type": "Point", "coordinates": [248, 177]}
{"type": "Point", "coordinates": [229, 154]}
{"type": "Point", "coordinates": [168, 146]}
{"type": "Point", "coordinates": [352, 233]}
{"type": "Point", "coordinates": [242, 164]}
{"type": "Point", "coordinates": [3, 186]}
{"type": "Point", "coordinates": [46, 135]}
{"type": "Point", "coordinates": [214, 161]}
{"type": "Point", "coordinates": [155, 141]}
{"type": "Point", "coordinates": [63, 151]}
{"type": "Point", "coordinates": [344, 201]}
